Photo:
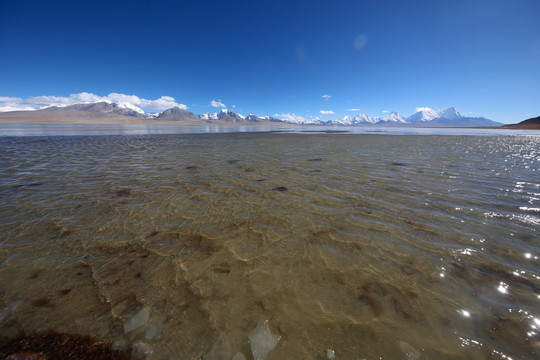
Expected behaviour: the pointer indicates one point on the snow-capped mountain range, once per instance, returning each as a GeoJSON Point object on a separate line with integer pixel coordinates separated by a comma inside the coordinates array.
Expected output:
{"type": "Point", "coordinates": [226, 116]}
{"type": "Point", "coordinates": [393, 117]}
{"type": "Point", "coordinates": [423, 117]}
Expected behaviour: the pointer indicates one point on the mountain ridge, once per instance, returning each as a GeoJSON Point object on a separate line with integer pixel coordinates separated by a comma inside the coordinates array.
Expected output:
{"type": "Point", "coordinates": [424, 117]}
{"type": "Point", "coordinates": [528, 124]}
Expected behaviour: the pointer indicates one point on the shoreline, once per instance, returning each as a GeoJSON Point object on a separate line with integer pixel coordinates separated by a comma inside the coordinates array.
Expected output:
{"type": "Point", "coordinates": [123, 121]}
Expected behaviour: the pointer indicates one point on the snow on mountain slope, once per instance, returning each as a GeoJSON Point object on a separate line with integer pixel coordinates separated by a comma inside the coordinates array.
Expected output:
{"type": "Point", "coordinates": [392, 117]}
{"type": "Point", "coordinates": [423, 114]}
{"type": "Point", "coordinates": [450, 113]}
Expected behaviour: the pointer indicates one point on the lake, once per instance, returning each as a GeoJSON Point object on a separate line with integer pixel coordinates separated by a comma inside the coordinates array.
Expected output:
{"type": "Point", "coordinates": [413, 244]}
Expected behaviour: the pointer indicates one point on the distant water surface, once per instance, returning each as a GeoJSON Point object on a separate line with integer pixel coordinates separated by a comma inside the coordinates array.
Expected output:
{"type": "Point", "coordinates": [289, 245]}
{"type": "Point", "coordinates": [10, 129]}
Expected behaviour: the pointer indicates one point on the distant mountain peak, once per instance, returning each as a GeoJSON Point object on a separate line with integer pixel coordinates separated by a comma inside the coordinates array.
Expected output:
{"type": "Point", "coordinates": [450, 113]}
{"type": "Point", "coordinates": [423, 114]}
{"type": "Point", "coordinates": [393, 117]}
{"type": "Point", "coordinates": [177, 114]}
{"type": "Point", "coordinates": [102, 107]}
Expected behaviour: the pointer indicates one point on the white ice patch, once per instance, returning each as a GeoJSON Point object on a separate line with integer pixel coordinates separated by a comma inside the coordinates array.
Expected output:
{"type": "Point", "coordinates": [138, 320]}
{"type": "Point", "coordinates": [262, 340]}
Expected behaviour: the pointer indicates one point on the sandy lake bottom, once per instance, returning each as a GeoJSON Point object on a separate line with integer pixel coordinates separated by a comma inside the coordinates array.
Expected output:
{"type": "Point", "coordinates": [274, 245]}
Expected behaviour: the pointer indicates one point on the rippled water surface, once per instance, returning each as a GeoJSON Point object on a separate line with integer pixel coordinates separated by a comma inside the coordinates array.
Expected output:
{"type": "Point", "coordinates": [289, 246]}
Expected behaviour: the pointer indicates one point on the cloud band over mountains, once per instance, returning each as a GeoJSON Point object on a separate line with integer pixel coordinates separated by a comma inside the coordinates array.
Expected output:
{"type": "Point", "coordinates": [131, 101]}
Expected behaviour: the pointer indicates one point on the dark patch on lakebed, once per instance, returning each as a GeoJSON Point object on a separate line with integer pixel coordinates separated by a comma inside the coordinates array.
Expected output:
{"type": "Point", "coordinates": [28, 185]}
{"type": "Point", "coordinates": [121, 192]}
{"type": "Point", "coordinates": [57, 346]}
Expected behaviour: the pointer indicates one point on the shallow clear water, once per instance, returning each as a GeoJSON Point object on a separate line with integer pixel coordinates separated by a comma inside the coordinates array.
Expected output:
{"type": "Point", "coordinates": [349, 245]}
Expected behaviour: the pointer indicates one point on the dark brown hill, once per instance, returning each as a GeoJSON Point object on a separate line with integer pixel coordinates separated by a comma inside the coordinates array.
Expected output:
{"type": "Point", "coordinates": [177, 114]}
{"type": "Point", "coordinates": [529, 124]}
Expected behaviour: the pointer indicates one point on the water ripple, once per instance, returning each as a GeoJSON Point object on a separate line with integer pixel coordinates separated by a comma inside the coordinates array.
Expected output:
{"type": "Point", "coordinates": [366, 246]}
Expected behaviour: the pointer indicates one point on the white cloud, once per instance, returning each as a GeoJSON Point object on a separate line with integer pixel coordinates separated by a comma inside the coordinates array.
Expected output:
{"type": "Point", "coordinates": [423, 109]}
{"type": "Point", "coordinates": [385, 111]}
{"type": "Point", "coordinates": [217, 104]}
{"type": "Point", "coordinates": [163, 103]}
{"type": "Point", "coordinates": [326, 112]}
{"type": "Point", "coordinates": [290, 117]}
{"type": "Point", "coordinates": [354, 109]}
{"type": "Point", "coordinates": [326, 97]}
{"type": "Point", "coordinates": [130, 101]}
{"type": "Point", "coordinates": [293, 118]}
{"type": "Point", "coordinates": [360, 42]}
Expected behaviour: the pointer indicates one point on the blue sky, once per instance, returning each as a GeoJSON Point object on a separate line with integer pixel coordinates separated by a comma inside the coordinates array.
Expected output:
{"type": "Point", "coordinates": [280, 57]}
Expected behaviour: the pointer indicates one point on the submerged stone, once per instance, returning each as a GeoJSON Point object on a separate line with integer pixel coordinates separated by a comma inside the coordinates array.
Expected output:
{"type": "Point", "coordinates": [398, 163]}
{"type": "Point", "coordinates": [138, 320]}
{"type": "Point", "coordinates": [280, 188]}
{"type": "Point", "coordinates": [262, 340]}
{"type": "Point", "coordinates": [121, 192]}
{"type": "Point", "coordinates": [140, 350]}
{"type": "Point", "coordinates": [153, 331]}
{"type": "Point", "coordinates": [7, 312]}
{"type": "Point", "coordinates": [330, 354]}
{"type": "Point", "coordinates": [118, 345]}
{"type": "Point", "coordinates": [408, 350]}
{"type": "Point", "coordinates": [221, 349]}
{"type": "Point", "coordinates": [238, 356]}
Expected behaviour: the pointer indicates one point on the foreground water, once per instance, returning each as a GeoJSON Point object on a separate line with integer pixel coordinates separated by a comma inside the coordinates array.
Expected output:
{"type": "Point", "coordinates": [275, 246]}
